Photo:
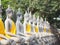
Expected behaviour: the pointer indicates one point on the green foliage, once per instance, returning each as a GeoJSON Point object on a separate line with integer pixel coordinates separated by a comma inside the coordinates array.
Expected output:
{"type": "Point", "coordinates": [46, 8]}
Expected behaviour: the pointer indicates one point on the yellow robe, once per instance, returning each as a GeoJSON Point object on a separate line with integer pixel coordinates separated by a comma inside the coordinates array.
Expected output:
{"type": "Point", "coordinates": [44, 28]}
{"type": "Point", "coordinates": [49, 31]}
{"type": "Point", "coordinates": [2, 28]}
{"type": "Point", "coordinates": [28, 28]}
{"type": "Point", "coordinates": [36, 29]}
{"type": "Point", "coordinates": [12, 30]}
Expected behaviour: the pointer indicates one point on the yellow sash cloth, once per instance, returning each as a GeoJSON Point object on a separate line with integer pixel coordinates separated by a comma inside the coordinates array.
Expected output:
{"type": "Point", "coordinates": [28, 28]}
{"type": "Point", "coordinates": [36, 29]}
{"type": "Point", "coordinates": [49, 31]}
{"type": "Point", "coordinates": [44, 28]}
{"type": "Point", "coordinates": [1, 28]}
{"type": "Point", "coordinates": [12, 30]}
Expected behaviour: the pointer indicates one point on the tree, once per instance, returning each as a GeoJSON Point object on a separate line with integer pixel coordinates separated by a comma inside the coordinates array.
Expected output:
{"type": "Point", "coordinates": [44, 8]}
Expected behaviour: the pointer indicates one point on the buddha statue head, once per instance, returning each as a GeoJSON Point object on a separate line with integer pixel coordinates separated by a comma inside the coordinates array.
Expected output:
{"type": "Point", "coordinates": [19, 14]}
{"type": "Point", "coordinates": [9, 11]}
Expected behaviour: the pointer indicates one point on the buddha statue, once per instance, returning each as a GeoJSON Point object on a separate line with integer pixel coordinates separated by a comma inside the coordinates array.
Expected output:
{"type": "Point", "coordinates": [3, 39]}
{"type": "Point", "coordinates": [10, 27]}
{"type": "Point", "coordinates": [37, 25]}
{"type": "Point", "coordinates": [19, 25]}
{"type": "Point", "coordinates": [9, 23]}
{"type": "Point", "coordinates": [41, 25]}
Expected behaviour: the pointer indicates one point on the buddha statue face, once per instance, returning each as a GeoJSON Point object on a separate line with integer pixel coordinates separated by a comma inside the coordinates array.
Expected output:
{"type": "Point", "coordinates": [9, 15]}
{"type": "Point", "coordinates": [19, 17]}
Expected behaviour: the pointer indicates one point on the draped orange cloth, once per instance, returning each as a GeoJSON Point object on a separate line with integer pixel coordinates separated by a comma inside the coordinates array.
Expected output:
{"type": "Point", "coordinates": [28, 28]}
{"type": "Point", "coordinates": [36, 29]}
{"type": "Point", "coordinates": [44, 28]}
{"type": "Point", "coordinates": [12, 30]}
{"type": "Point", "coordinates": [2, 28]}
